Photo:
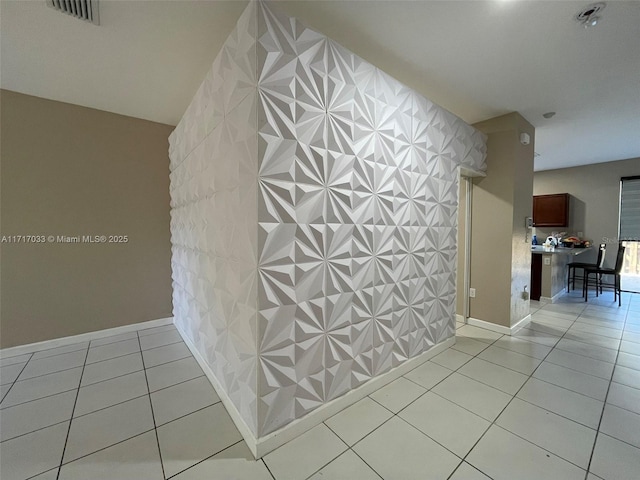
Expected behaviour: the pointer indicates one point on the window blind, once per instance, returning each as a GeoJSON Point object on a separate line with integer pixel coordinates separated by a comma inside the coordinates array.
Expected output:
{"type": "Point", "coordinates": [630, 208]}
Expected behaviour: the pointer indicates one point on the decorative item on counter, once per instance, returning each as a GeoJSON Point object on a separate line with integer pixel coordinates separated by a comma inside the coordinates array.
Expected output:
{"type": "Point", "coordinates": [534, 240]}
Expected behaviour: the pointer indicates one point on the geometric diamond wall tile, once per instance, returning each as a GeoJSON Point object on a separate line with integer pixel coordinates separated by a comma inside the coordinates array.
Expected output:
{"type": "Point", "coordinates": [314, 219]}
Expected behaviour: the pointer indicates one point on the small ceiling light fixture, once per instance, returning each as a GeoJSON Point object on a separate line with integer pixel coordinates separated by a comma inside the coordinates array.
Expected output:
{"type": "Point", "coordinates": [588, 16]}
{"type": "Point", "coordinates": [548, 114]}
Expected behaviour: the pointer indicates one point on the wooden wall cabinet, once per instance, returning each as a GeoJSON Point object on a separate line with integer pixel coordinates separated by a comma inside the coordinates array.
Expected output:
{"type": "Point", "coordinates": [551, 210]}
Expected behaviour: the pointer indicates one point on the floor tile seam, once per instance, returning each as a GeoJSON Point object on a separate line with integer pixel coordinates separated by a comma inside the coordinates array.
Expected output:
{"type": "Point", "coordinates": [56, 354]}
{"type": "Point", "coordinates": [580, 371]}
{"type": "Point", "coordinates": [568, 389]}
{"type": "Point", "coordinates": [350, 448]}
{"type": "Point", "coordinates": [416, 383]}
{"type": "Point", "coordinates": [619, 440]}
{"type": "Point", "coordinates": [159, 346]}
{"type": "Point", "coordinates": [153, 417]}
{"type": "Point", "coordinates": [604, 405]}
{"type": "Point", "coordinates": [112, 405]}
{"type": "Point", "coordinates": [556, 413]}
{"type": "Point", "coordinates": [636, 368]}
{"type": "Point", "coordinates": [50, 373]}
{"type": "Point", "coordinates": [189, 354]}
{"type": "Point", "coordinates": [472, 466]}
{"type": "Point", "coordinates": [105, 448]}
{"type": "Point", "coordinates": [592, 333]}
{"type": "Point", "coordinates": [334, 458]}
{"type": "Point", "coordinates": [203, 460]}
{"type": "Point", "coordinates": [166, 327]}
{"type": "Point", "coordinates": [504, 366]}
{"type": "Point", "coordinates": [524, 354]}
{"type": "Point", "coordinates": [631, 341]}
{"type": "Point", "coordinates": [187, 414]}
{"type": "Point", "coordinates": [177, 383]}
{"type": "Point", "coordinates": [546, 449]}
{"type": "Point", "coordinates": [491, 386]}
{"type": "Point", "coordinates": [36, 399]}
{"type": "Point", "coordinates": [621, 408]}
{"type": "Point", "coordinates": [16, 379]}
{"type": "Point", "coordinates": [507, 406]}
{"type": "Point", "coordinates": [75, 403]}
{"type": "Point", "coordinates": [110, 378]}
{"type": "Point", "coordinates": [35, 430]}
{"type": "Point", "coordinates": [113, 358]}
{"type": "Point", "coordinates": [42, 473]}
{"type": "Point", "coordinates": [588, 344]}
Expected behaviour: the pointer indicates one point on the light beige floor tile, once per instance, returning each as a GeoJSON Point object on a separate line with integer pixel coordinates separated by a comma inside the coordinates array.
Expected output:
{"type": "Point", "coordinates": [101, 371]}
{"type": "Point", "coordinates": [4, 389]}
{"type": "Point", "coordinates": [113, 350]}
{"type": "Point", "coordinates": [451, 359]}
{"type": "Point", "coordinates": [233, 463]}
{"type": "Point", "coordinates": [589, 385]}
{"type": "Point", "coordinates": [627, 376]}
{"type": "Point", "coordinates": [347, 465]}
{"type": "Point", "coordinates": [496, 376]}
{"type": "Point", "coordinates": [60, 350]}
{"type": "Point", "coordinates": [304, 455]}
{"type": "Point", "coordinates": [469, 345]}
{"type": "Point", "coordinates": [10, 373]}
{"type": "Point", "coordinates": [615, 460]}
{"type": "Point", "coordinates": [628, 360]}
{"type": "Point", "coordinates": [6, 361]}
{"type": "Point", "coordinates": [188, 440]}
{"type": "Point", "coordinates": [44, 366]}
{"type": "Point", "coordinates": [631, 337]}
{"type": "Point", "coordinates": [358, 420]}
{"type": "Point", "coordinates": [581, 363]}
{"type": "Point", "coordinates": [50, 475]}
{"type": "Point", "coordinates": [587, 350]}
{"type": "Point", "coordinates": [136, 458]}
{"type": "Point", "coordinates": [397, 394]}
{"type": "Point", "coordinates": [523, 347]}
{"type": "Point", "coordinates": [31, 416]}
{"type": "Point", "coordinates": [171, 373]}
{"type": "Point", "coordinates": [597, 330]}
{"type": "Point", "coordinates": [113, 339]}
{"type": "Point", "coordinates": [110, 392]}
{"type": "Point", "coordinates": [165, 354]}
{"type": "Point", "coordinates": [45, 450]}
{"type": "Point", "coordinates": [428, 374]}
{"type": "Point", "coordinates": [545, 339]}
{"type": "Point", "coordinates": [515, 361]}
{"type": "Point", "coordinates": [398, 450]}
{"type": "Point", "coordinates": [104, 428]}
{"type": "Point", "coordinates": [501, 454]}
{"type": "Point", "coordinates": [624, 396]}
{"type": "Point", "coordinates": [630, 347]}
{"type": "Point", "coordinates": [552, 320]}
{"type": "Point", "coordinates": [445, 422]}
{"type": "Point", "coordinates": [474, 396]}
{"type": "Point", "coordinates": [572, 405]}
{"type": "Point", "coordinates": [39, 387]}
{"type": "Point", "coordinates": [591, 339]}
{"type": "Point", "coordinates": [181, 399]}
{"type": "Point", "coordinates": [621, 424]}
{"type": "Point", "coordinates": [543, 327]}
{"type": "Point", "coordinates": [561, 436]}
{"type": "Point", "coordinates": [477, 333]}
{"type": "Point", "coordinates": [160, 339]}
{"type": "Point", "coordinates": [467, 472]}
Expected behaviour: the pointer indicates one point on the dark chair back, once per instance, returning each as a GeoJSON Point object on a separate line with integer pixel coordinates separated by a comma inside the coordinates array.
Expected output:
{"type": "Point", "coordinates": [619, 259]}
{"type": "Point", "coordinates": [601, 251]}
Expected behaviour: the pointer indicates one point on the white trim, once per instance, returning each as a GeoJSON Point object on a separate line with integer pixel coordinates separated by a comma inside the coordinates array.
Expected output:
{"type": "Point", "coordinates": [263, 445]}
{"type": "Point", "coordinates": [83, 337]}
{"type": "Point", "coordinates": [500, 328]}
{"type": "Point", "coordinates": [555, 298]}
{"type": "Point", "coordinates": [233, 412]}
{"type": "Point", "coordinates": [459, 318]}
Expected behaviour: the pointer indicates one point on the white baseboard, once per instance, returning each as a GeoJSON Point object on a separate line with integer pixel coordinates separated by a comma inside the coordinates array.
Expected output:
{"type": "Point", "coordinates": [500, 328]}
{"type": "Point", "coordinates": [459, 318]}
{"type": "Point", "coordinates": [263, 445]}
{"type": "Point", "coordinates": [83, 337]}
{"type": "Point", "coordinates": [555, 298]}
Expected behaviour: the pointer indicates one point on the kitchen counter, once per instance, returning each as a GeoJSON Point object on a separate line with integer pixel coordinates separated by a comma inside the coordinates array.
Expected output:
{"type": "Point", "coordinates": [548, 271]}
{"type": "Point", "coordinates": [539, 249]}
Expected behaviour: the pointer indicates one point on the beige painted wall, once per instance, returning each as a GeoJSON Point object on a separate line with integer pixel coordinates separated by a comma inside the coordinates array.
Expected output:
{"type": "Point", "coordinates": [595, 191]}
{"type": "Point", "coordinates": [69, 170]}
{"type": "Point", "coordinates": [500, 254]}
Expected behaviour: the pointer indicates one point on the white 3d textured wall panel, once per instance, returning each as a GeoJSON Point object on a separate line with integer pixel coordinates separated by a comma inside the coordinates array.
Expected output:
{"type": "Point", "coordinates": [314, 219]}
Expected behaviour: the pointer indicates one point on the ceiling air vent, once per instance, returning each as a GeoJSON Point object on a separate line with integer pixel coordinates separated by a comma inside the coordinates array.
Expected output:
{"type": "Point", "coordinates": [82, 9]}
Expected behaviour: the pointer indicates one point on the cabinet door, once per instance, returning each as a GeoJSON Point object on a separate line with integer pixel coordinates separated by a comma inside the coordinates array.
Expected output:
{"type": "Point", "coordinates": [551, 210]}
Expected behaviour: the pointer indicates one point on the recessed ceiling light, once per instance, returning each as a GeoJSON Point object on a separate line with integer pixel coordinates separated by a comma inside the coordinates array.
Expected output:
{"type": "Point", "coordinates": [588, 16]}
{"type": "Point", "coordinates": [548, 114]}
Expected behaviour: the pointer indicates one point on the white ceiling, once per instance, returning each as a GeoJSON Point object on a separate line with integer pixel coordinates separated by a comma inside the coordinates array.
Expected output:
{"type": "Point", "coordinates": [478, 59]}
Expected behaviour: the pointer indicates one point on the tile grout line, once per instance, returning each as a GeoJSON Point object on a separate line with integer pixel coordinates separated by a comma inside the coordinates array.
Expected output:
{"type": "Point", "coordinates": [153, 416]}
{"type": "Point", "coordinates": [75, 402]}
{"type": "Point", "coordinates": [604, 403]}
{"type": "Point", "coordinates": [17, 377]}
{"type": "Point", "coordinates": [509, 403]}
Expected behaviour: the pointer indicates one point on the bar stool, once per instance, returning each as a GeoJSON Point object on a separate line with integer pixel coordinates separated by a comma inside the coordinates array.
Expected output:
{"type": "Point", "coordinates": [571, 271]}
{"type": "Point", "coordinates": [599, 272]}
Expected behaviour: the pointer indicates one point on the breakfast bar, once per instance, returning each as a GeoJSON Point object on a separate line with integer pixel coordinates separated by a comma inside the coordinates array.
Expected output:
{"type": "Point", "coordinates": [549, 271]}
